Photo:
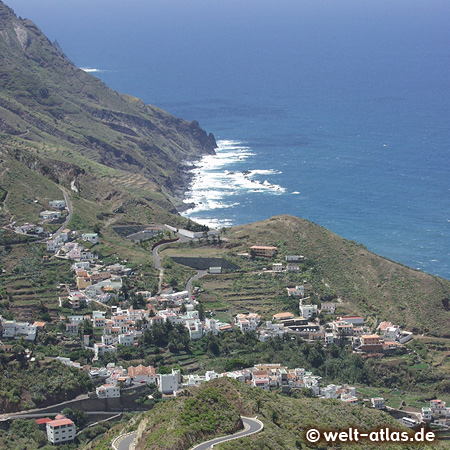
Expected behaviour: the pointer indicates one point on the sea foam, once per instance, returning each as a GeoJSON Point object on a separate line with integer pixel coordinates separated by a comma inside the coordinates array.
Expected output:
{"type": "Point", "coordinates": [215, 184]}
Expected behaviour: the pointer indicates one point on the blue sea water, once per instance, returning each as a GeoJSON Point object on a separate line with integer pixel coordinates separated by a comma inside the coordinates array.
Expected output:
{"type": "Point", "coordinates": [337, 111]}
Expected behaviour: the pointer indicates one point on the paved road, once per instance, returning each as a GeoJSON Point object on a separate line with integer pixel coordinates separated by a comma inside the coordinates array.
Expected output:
{"type": "Point", "coordinates": [125, 443]}
{"type": "Point", "coordinates": [200, 273]}
{"type": "Point", "coordinates": [252, 426]}
{"type": "Point", "coordinates": [157, 261]}
{"type": "Point", "coordinates": [69, 209]}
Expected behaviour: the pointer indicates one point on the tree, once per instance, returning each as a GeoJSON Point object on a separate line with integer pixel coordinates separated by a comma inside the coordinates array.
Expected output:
{"type": "Point", "coordinates": [183, 309]}
{"type": "Point", "coordinates": [201, 311]}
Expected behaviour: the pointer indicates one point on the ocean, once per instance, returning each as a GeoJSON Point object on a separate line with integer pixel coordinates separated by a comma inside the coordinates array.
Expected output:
{"type": "Point", "coordinates": [335, 111]}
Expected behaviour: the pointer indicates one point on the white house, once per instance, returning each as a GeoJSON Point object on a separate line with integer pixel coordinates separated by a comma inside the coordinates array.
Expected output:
{"type": "Point", "coordinates": [307, 310]}
{"type": "Point", "coordinates": [58, 204]}
{"type": "Point", "coordinates": [377, 402]}
{"type": "Point", "coordinates": [438, 407]}
{"type": "Point", "coordinates": [72, 328]}
{"type": "Point", "coordinates": [297, 291]}
{"type": "Point", "coordinates": [65, 235]}
{"type": "Point", "coordinates": [392, 333]}
{"type": "Point", "coordinates": [195, 329]}
{"type": "Point", "coordinates": [13, 329]}
{"type": "Point", "coordinates": [277, 267]}
{"type": "Point", "coordinates": [102, 349]}
{"type": "Point", "coordinates": [427, 416]}
{"type": "Point", "coordinates": [169, 383]}
{"type": "Point", "coordinates": [211, 326]}
{"type": "Point", "coordinates": [126, 339]}
{"type": "Point", "coordinates": [292, 268]}
{"type": "Point", "coordinates": [108, 391]}
{"type": "Point", "coordinates": [91, 237]}
{"type": "Point", "coordinates": [50, 215]}
{"type": "Point", "coordinates": [271, 331]}
{"type": "Point", "coordinates": [356, 321]}
{"type": "Point", "coordinates": [62, 430]}
{"type": "Point", "coordinates": [328, 307]}
{"type": "Point", "coordinates": [295, 258]}
{"type": "Point", "coordinates": [247, 322]}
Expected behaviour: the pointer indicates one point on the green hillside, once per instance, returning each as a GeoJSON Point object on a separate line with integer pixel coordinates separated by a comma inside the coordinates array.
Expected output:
{"type": "Point", "coordinates": [346, 271]}
{"type": "Point", "coordinates": [214, 408]}
{"type": "Point", "coordinates": [66, 125]}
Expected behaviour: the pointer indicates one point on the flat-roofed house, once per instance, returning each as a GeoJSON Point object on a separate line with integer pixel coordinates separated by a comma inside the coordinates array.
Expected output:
{"type": "Point", "coordinates": [263, 250]}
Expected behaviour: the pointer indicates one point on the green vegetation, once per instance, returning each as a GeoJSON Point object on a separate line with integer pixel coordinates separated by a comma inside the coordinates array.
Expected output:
{"type": "Point", "coordinates": [26, 385]}
{"type": "Point", "coordinates": [213, 409]}
{"type": "Point", "coordinates": [372, 285]}
{"type": "Point", "coordinates": [61, 125]}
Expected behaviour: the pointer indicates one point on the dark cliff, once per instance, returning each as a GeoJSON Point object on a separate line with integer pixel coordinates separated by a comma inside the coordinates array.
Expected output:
{"type": "Point", "coordinates": [56, 113]}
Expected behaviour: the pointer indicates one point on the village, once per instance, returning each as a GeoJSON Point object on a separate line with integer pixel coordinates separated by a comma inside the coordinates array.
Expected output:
{"type": "Point", "coordinates": [115, 324]}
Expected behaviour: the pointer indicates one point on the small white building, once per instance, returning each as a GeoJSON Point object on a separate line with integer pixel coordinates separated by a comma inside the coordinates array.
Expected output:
{"type": "Point", "coordinates": [356, 321]}
{"type": "Point", "coordinates": [427, 415]}
{"type": "Point", "coordinates": [297, 291]}
{"type": "Point", "coordinates": [277, 267]}
{"type": "Point", "coordinates": [72, 328]}
{"type": "Point", "coordinates": [377, 402]}
{"type": "Point", "coordinates": [292, 268]}
{"type": "Point", "coordinates": [295, 258]}
{"type": "Point", "coordinates": [195, 329]}
{"type": "Point", "coordinates": [248, 322]}
{"type": "Point", "coordinates": [307, 310]}
{"type": "Point", "coordinates": [62, 430]}
{"type": "Point", "coordinates": [126, 339]}
{"type": "Point", "coordinates": [91, 237]}
{"type": "Point", "coordinates": [215, 270]}
{"type": "Point", "coordinates": [169, 383]}
{"type": "Point", "coordinates": [50, 215]}
{"type": "Point", "coordinates": [328, 308]}
{"type": "Point", "coordinates": [58, 204]}
{"type": "Point", "coordinates": [108, 391]}
{"type": "Point", "coordinates": [65, 235]}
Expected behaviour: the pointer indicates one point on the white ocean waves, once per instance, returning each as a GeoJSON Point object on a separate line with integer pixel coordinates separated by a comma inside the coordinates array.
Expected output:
{"type": "Point", "coordinates": [218, 180]}
{"type": "Point", "coordinates": [91, 70]}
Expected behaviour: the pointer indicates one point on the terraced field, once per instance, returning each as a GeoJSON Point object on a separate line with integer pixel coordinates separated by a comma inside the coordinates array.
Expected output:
{"type": "Point", "coordinates": [29, 286]}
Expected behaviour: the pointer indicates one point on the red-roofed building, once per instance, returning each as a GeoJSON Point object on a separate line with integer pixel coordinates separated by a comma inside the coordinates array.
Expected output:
{"type": "Point", "coordinates": [142, 374]}
{"type": "Point", "coordinates": [61, 430]}
{"type": "Point", "coordinates": [42, 422]}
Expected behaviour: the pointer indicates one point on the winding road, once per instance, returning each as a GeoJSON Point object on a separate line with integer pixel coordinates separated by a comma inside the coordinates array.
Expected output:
{"type": "Point", "coordinates": [251, 426]}
{"type": "Point", "coordinates": [69, 209]}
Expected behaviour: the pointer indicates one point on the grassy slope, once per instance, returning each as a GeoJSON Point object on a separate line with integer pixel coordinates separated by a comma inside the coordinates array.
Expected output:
{"type": "Point", "coordinates": [65, 124]}
{"type": "Point", "coordinates": [216, 406]}
{"type": "Point", "coordinates": [26, 385]}
{"type": "Point", "coordinates": [374, 285]}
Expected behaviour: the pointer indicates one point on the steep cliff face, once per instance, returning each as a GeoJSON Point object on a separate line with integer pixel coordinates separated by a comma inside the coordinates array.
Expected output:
{"type": "Point", "coordinates": [51, 109]}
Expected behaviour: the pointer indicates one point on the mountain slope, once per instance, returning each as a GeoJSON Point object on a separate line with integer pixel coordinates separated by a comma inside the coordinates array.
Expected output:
{"type": "Point", "coordinates": [375, 286]}
{"type": "Point", "coordinates": [213, 409]}
{"type": "Point", "coordinates": [55, 118]}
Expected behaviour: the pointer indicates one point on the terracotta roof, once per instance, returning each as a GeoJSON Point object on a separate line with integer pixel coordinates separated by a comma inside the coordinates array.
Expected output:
{"type": "Point", "coordinates": [141, 370]}
{"type": "Point", "coordinates": [283, 315]}
{"type": "Point", "coordinates": [43, 420]}
{"type": "Point", "coordinates": [60, 422]}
